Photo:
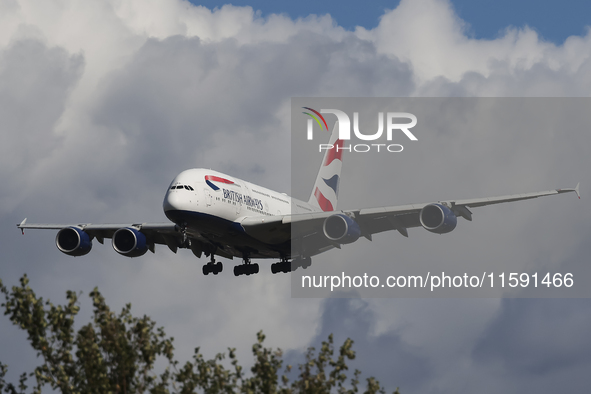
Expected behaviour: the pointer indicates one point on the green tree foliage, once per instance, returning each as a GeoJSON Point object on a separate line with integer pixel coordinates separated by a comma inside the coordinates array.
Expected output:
{"type": "Point", "coordinates": [116, 353]}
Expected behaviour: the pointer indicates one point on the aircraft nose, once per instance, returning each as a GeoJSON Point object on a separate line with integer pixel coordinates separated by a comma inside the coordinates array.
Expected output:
{"type": "Point", "coordinates": [172, 202]}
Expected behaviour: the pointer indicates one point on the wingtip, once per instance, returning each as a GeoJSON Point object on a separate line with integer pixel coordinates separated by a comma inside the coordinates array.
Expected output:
{"type": "Point", "coordinates": [575, 189]}
{"type": "Point", "coordinates": [21, 226]}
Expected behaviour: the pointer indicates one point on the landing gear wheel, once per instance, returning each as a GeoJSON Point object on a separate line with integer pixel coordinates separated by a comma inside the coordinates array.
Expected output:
{"type": "Point", "coordinates": [238, 270]}
{"type": "Point", "coordinates": [246, 269]}
{"type": "Point", "coordinates": [286, 267]}
{"type": "Point", "coordinates": [213, 267]}
{"type": "Point", "coordinates": [282, 266]}
{"type": "Point", "coordinates": [306, 262]}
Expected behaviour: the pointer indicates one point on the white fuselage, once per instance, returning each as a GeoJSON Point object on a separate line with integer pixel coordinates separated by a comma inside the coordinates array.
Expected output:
{"type": "Point", "coordinates": [225, 197]}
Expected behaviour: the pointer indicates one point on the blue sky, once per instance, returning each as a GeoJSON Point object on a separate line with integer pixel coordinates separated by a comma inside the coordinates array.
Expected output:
{"type": "Point", "coordinates": [553, 20]}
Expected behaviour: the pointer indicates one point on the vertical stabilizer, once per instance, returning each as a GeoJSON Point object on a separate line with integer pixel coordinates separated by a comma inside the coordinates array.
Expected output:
{"type": "Point", "coordinates": [326, 188]}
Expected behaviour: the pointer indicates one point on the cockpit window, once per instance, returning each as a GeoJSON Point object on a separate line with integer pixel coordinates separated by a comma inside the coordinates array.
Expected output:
{"type": "Point", "coordinates": [186, 187]}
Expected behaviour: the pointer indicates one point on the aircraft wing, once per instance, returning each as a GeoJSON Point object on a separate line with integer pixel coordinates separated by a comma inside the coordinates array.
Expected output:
{"type": "Point", "coordinates": [375, 220]}
{"type": "Point", "coordinates": [156, 233]}
{"type": "Point", "coordinates": [308, 228]}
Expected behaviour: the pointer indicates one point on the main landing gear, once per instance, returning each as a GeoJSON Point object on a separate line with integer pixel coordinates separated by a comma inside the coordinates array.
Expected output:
{"type": "Point", "coordinates": [246, 268]}
{"type": "Point", "coordinates": [303, 262]}
{"type": "Point", "coordinates": [288, 266]}
{"type": "Point", "coordinates": [283, 266]}
{"type": "Point", "coordinates": [213, 267]}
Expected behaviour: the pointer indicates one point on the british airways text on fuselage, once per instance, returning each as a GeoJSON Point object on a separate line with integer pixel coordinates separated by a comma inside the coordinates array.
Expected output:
{"type": "Point", "coordinates": [243, 199]}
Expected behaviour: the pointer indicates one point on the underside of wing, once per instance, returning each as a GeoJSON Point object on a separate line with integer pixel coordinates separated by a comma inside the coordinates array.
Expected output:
{"type": "Point", "coordinates": [130, 240]}
{"type": "Point", "coordinates": [313, 233]}
{"type": "Point", "coordinates": [433, 216]}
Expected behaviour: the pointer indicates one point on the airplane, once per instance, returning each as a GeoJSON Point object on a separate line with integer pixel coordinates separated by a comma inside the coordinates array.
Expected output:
{"type": "Point", "coordinates": [215, 214]}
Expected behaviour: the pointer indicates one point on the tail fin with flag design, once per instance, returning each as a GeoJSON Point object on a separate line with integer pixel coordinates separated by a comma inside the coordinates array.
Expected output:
{"type": "Point", "coordinates": [326, 188]}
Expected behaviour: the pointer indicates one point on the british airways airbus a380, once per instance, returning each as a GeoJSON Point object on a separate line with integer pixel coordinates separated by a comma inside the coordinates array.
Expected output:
{"type": "Point", "coordinates": [216, 214]}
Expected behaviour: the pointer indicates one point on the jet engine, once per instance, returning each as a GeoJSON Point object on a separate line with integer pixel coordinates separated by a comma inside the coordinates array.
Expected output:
{"type": "Point", "coordinates": [130, 242]}
{"type": "Point", "coordinates": [341, 228]}
{"type": "Point", "coordinates": [438, 218]}
{"type": "Point", "coordinates": [73, 241]}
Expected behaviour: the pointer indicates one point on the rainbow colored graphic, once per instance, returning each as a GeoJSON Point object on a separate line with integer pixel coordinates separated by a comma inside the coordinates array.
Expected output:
{"type": "Point", "coordinates": [315, 118]}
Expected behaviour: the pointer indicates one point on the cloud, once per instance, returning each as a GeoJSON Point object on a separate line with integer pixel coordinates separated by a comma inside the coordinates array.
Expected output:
{"type": "Point", "coordinates": [35, 82]}
{"type": "Point", "coordinates": [537, 337]}
{"type": "Point", "coordinates": [398, 363]}
{"type": "Point", "coordinates": [104, 103]}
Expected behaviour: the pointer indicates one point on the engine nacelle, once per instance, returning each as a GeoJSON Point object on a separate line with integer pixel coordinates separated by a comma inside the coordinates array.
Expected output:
{"type": "Point", "coordinates": [73, 241]}
{"type": "Point", "coordinates": [438, 218]}
{"type": "Point", "coordinates": [130, 242]}
{"type": "Point", "coordinates": [341, 228]}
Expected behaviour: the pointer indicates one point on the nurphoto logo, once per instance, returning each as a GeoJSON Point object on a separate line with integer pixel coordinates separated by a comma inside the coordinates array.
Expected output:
{"type": "Point", "coordinates": [393, 124]}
